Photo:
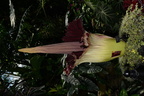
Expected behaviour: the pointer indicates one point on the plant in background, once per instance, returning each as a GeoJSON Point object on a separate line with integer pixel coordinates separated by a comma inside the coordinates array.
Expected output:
{"type": "Point", "coordinates": [30, 27]}
{"type": "Point", "coordinates": [98, 16]}
{"type": "Point", "coordinates": [132, 25]}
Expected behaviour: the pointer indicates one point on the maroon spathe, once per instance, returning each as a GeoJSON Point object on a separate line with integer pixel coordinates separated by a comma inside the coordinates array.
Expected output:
{"type": "Point", "coordinates": [74, 32]}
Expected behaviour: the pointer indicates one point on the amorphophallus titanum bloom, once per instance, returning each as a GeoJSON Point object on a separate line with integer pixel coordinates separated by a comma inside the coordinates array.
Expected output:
{"type": "Point", "coordinates": [82, 46]}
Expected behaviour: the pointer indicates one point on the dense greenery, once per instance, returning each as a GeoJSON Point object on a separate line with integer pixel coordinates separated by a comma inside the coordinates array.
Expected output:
{"type": "Point", "coordinates": [40, 22]}
{"type": "Point", "coordinates": [37, 23]}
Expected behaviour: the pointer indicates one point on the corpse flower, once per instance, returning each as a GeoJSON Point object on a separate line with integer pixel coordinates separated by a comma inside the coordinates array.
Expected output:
{"type": "Point", "coordinates": [82, 46]}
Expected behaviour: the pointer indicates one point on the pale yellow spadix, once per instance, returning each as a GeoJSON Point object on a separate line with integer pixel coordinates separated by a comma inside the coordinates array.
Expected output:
{"type": "Point", "coordinates": [101, 48]}
{"type": "Point", "coordinates": [59, 48]}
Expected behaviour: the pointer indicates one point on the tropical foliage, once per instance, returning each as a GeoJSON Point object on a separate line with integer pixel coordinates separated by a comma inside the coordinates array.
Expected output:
{"type": "Point", "coordinates": [42, 22]}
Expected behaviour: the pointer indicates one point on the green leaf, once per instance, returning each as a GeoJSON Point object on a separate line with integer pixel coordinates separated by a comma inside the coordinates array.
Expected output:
{"type": "Point", "coordinates": [72, 80]}
{"type": "Point", "coordinates": [135, 95]}
{"type": "Point", "coordinates": [71, 91]}
{"type": "Point", "coordinates": [123, 93]}
{"type": "Point", "coordinates": [36, 61]}
{"type": "Point", "coordinates": [89, 84]}
{"type": "Point", "coordinates": [89, 68]}
{"type": "Point", "coordinates": [53, 90]}
{"type": "Point", "coordinates": [90, 4]}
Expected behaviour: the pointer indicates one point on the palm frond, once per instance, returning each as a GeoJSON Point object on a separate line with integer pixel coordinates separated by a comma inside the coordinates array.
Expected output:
{"type": "Point", "coordinates": [21, 23]}
{"type": "Point", "coordinates": [12, 14]}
